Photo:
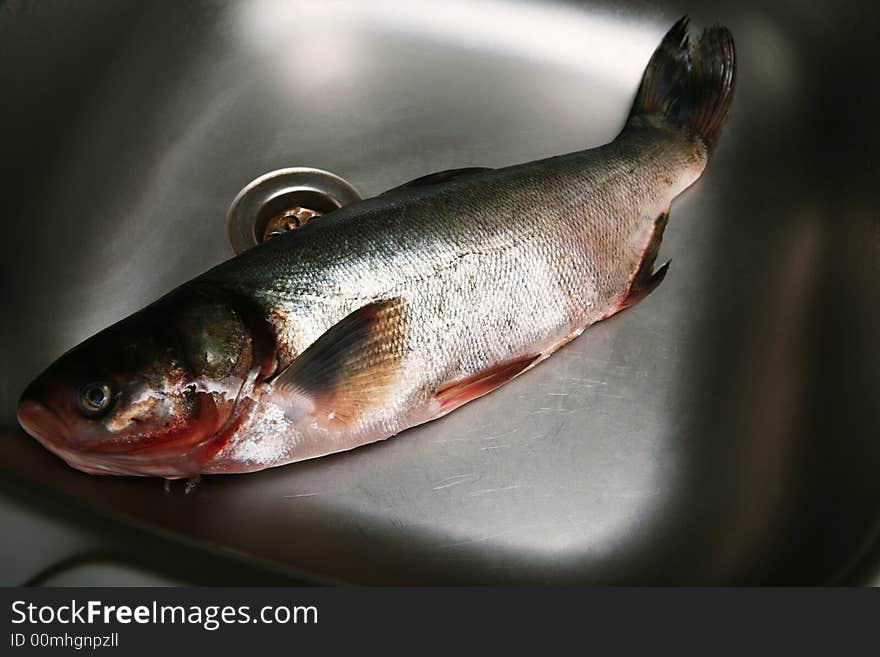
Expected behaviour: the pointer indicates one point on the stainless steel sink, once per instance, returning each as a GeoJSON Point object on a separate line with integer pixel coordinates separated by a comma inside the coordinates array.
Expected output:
{"type": "Point", "coordinates": [727, 430]}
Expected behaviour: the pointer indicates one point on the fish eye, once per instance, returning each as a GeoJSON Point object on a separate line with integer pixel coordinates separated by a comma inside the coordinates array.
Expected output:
{"type": "Point", "coordinates": [95, 399]}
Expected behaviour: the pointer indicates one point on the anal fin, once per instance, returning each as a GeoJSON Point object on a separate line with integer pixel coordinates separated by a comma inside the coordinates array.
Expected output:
{"type": "Point", "coordinates": [646, 280]}
{"type": "Point", "coordinates": [644, 287]}
{"type": "Point", "coordinates": [455, 394]}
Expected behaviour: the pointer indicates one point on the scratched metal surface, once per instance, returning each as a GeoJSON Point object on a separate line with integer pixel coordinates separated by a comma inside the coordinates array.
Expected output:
{"type": "Point", "coordinates": [723, 431]}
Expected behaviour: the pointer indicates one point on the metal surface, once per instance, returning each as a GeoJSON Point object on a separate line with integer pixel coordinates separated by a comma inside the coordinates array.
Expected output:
{"type": "Point", "coordinates": [725, 430]}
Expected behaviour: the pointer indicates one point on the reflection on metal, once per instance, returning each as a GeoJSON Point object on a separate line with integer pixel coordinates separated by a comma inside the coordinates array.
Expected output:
{"type": "Point", "coordinates": [596, 42]}
{"type": "Point", "coordinates": [283, 200]}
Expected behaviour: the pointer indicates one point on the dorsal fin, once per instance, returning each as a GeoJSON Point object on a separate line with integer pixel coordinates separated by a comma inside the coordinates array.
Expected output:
{"type": "Point", "coordinates": [439, 177]}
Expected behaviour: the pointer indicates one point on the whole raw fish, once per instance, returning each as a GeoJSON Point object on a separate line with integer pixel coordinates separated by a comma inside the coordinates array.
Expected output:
{"type": "Point", "coordinates": [393, 311]}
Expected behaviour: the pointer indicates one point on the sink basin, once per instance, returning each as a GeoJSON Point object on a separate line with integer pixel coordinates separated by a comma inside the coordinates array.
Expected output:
{"type": "Point", "coordinates": [725, 431]}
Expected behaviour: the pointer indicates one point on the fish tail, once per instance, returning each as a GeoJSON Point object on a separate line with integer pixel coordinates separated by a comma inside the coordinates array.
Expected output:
{"type": "Point", "coordinates": [689, 85]}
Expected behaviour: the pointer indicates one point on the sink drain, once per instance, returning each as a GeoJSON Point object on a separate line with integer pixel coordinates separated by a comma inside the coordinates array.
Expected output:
{"type": "Point", "coordinates": [284, 200]}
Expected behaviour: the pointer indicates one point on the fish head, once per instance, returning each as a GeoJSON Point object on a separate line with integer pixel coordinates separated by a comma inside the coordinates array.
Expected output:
{"type": "Point", "coordinates": [147, 396]}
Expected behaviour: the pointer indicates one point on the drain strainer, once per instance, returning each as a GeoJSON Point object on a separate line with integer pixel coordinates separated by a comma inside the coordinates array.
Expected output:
{"type": "Point", "coordinates": [283, 200]}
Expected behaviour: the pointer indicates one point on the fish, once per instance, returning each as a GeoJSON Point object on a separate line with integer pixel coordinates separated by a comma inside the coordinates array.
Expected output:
{"type": "Point", "coordinates": [393, 311]}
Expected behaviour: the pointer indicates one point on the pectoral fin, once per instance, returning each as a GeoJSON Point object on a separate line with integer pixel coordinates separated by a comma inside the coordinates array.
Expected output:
{"type": "Point", "coordinates": [349, 369]}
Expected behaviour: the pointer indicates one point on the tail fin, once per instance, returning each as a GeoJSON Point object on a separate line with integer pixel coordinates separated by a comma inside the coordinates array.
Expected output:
{"type": "Point", "coordinates": [689, 85]}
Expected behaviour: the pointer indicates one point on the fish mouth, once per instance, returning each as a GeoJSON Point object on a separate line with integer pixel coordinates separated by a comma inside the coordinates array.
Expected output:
{"type": "Point", "coordinates": [44, 425]}
{"type": "Point", "coordinates": [41, 422]}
